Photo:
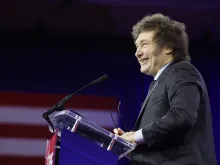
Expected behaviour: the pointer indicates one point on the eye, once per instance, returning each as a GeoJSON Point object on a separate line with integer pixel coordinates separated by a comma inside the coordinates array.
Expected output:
{"type": "Point", "coordinates": [144, 44]}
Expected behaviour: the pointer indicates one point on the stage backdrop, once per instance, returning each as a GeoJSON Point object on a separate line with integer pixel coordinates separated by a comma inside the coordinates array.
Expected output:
{"type": "Point", "coordinates": [33, 80]}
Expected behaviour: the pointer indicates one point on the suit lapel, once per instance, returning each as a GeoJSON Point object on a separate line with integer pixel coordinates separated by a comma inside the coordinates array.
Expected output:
{"type": "Point", "coordinates": [151, 91]}
{"type": "Point", "coordinates": [145, 101]}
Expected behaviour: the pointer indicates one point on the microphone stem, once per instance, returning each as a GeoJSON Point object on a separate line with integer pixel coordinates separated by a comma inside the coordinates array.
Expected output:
{"type": "Point", "coordinates": [60, 105]}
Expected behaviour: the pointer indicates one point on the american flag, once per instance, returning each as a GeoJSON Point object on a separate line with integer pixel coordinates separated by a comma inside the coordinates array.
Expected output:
{"type": "Point", "coordinates": [24, 132]}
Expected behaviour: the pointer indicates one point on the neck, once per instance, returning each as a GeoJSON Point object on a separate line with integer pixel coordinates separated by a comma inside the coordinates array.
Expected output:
{"type": "Point", "coordinates": [161, 66]}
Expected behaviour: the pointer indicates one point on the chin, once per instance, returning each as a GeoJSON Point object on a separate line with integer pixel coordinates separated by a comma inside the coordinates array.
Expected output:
{"type": "Point", "coordinates": [145, 70]}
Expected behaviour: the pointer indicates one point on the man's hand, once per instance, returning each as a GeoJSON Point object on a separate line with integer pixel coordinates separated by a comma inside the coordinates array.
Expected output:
{"type": "Point", "coordinates": [129, 136]}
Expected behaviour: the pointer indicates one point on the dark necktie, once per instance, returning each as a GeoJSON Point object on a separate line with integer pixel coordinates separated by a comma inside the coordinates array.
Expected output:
{"type": "Point", "coordinates": [151, 86]}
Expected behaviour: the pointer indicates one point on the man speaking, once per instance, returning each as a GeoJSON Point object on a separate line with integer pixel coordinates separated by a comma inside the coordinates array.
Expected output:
{"type": "Point", "coordinates": [174, 126]}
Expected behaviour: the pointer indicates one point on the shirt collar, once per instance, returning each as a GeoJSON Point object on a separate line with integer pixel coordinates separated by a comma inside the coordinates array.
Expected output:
{"type": "Point", "coordinates": [160, 71]}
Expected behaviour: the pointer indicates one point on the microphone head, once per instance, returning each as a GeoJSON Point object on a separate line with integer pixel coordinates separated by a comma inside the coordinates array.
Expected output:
{"type": "Point", "coordinates": [104, 77]}
{"type": "Point", "coordinates": [100, 79]}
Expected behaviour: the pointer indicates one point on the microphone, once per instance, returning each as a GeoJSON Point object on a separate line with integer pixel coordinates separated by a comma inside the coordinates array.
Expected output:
{"type": "Point", "coordinates": [100, 79]}
{"type": "Point", "coordinates": [60, 105]}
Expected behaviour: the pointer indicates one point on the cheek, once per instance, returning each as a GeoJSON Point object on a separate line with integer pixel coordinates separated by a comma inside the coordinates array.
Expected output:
{"type": "Point", "coordinates": [153, 56]}
{"type": "Point", "coordinates": [153, 59]}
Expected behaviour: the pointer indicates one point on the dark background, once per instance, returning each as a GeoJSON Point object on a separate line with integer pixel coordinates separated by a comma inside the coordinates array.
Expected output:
{"type": "Point", "coordinates": [56, 46]}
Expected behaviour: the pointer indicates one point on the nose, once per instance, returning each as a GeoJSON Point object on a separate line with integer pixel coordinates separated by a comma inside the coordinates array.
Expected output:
{"type": "Point", "coordinates": [138, 53]}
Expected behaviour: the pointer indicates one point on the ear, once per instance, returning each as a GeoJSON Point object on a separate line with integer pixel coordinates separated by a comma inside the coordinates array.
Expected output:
{"type": "Point", "coordinates": [168, 50]}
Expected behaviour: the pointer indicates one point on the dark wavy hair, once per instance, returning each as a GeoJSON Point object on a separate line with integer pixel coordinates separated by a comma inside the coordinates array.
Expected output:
{"type": "Point", "coordinates": [167, 33]}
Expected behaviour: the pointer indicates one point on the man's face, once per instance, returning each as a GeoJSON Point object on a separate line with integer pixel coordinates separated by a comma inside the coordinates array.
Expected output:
{"type": "Point", "coordinates": [150, 57]}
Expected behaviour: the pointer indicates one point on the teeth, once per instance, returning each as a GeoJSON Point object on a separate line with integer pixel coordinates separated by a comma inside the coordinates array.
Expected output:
{"type": "Point", "coordinates": [142, 61]}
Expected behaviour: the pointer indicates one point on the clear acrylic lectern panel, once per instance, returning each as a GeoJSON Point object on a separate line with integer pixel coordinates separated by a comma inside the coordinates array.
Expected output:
{"type": "Point", "coordinates": [69, 120]}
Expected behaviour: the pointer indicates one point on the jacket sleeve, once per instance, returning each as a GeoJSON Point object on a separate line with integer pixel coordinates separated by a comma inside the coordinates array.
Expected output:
{"type": "Point", "coordinates": [184, 93]}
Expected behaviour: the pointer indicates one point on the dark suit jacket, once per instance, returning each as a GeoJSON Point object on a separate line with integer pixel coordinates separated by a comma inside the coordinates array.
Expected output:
{"type": "Point", "coordinates": [176, 120]}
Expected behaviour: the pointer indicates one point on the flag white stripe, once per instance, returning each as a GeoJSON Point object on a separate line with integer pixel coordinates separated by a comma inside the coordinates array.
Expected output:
{"type": "Point", "coordinates": [33, 116]}
{"type": "Point", "coordinates": [22, 147]}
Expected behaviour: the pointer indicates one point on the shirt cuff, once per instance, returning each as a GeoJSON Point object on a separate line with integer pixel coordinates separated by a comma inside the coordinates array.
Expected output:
{"type": "Point", "coordinates": [138, 136]}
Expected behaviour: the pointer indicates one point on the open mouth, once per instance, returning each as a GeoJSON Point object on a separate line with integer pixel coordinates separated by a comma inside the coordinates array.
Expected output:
{"type": "Point", "coordinates": [143, 61]}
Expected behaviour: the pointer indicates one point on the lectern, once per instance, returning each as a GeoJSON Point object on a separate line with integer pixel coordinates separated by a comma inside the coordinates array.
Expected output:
{"type": "Point", "coordinates": [78, 141]}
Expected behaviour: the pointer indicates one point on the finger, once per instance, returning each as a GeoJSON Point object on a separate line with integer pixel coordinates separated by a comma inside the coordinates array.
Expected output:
{"type": "Point", "coordinates": [116, 131]}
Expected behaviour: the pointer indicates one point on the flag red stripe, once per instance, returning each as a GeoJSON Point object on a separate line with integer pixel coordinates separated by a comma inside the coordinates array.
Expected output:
{"type": "Point", "coordinates": [13, 160]}
{"type": "Point", "coordinates": [24, 131]}
{"type": "Point", "coordinates": [27, 131]}
{"type": "Point", "coordinates": [48, 100]}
